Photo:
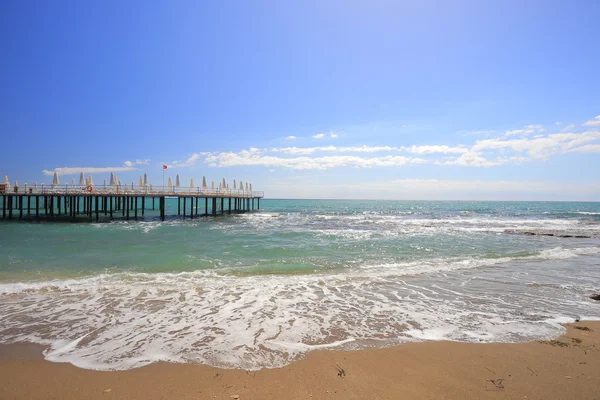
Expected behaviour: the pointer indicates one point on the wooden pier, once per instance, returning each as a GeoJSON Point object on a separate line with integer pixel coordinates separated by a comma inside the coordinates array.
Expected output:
{"type": "Point", "coordinates": [89, 206]}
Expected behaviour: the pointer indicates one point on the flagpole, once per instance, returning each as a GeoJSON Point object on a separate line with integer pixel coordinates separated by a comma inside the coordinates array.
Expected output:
{"type": "Point", "coordinates": [163, 177]}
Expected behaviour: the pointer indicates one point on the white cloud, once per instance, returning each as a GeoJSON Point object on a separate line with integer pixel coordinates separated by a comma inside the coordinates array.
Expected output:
{"type": "Point", "coordinates": [86, 170]}
{"type": "Point", "coordinates": [331, 149]}
{"type": "Point", "coordinates": [290, 138]}
{"type": "Point", "coordinates": [333, 135]}
{"type": "Point", "coordinates": [435, 149]}
{"type": "Point", "coordinates": [482, 153]}
{"type": "Point", "coordinates": [473, 159]}
{"type": "Point", "coordinates": [527, 130]}
{"type": "Point", "coordinates": [593, 122]}
{"type": "Point", "coordinates": [189, 162]}
{"type": "Point", "coordinates": [569, 128]}
{"type": "Point", "coordinates": [255, 157]}
{"type": "Point", "coordinates": [136, 162]}
{"type": "Point", "coordinates": [588, 148]}
{"type": "Point", "coordinates": [427, 149]}
{"type": "Point", "coordinates": [539, 148]}
{"type": "Point", "coordinates": [319, 136]}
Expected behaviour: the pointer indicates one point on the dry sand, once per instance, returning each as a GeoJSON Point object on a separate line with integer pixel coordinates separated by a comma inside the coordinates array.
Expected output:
{"type": "Point", "coordinates": [568, 368]}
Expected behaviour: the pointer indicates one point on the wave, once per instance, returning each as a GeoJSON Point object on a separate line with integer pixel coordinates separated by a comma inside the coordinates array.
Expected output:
{"type": "Point", "coordinates": [126, 320]}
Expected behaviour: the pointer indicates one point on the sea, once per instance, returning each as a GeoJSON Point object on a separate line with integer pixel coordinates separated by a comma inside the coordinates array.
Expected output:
{"type": "Point", "coordinates": [262, 289]}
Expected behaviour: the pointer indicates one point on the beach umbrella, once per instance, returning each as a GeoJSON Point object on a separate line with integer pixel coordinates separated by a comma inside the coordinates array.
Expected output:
{"type": "Point", "coordinates": [72, 182]}
{"type": "Point", "coordinates": [220, 187]}
{"type": "Point", "coordinates": [213, 185]}
{"type": "Point", "coordinates": [141, 181]}
{"type": "Point", "coordinates": [17, 183]}
{"type": "Point", "coordinates": [250, 187]}
{"type": "Point", "coordinates": [113, 179]}
{"type": "Point", "coordinates": [228, 186]}
{"type": "Point", "coordinates": [105, 184]}
{"type": "Point", "coordinates": [35, 186]}
{"type": "Point", "coordinates": [6, 180]}
{"type": "Point", "coordinates": [150, 187]}
{"type": "Point", "coordinates": [241, 185]}
{"type": "Point", "coordinates": [177, 184]}
{"type": "Point", "coordinates": [55, 180]}
{"type": "Point", "coordinates": [234, 186]}
{"type": "Point", "coordinates": [25, 188]}
{"type": "Point", "coordinates": [131, 185]}
{"type": "Point", "coordinates": [246, 186]}
{"type": "Point", "coordinates": [145, 179]}
{"type": "Point", "coordinates": [224, 183]}
{"type": "Point", "coordinates": [118, 183]}
{"type": "Point", "coordinates": [170, 183]}
{"type": "Point", "coordinates": [81, 179]}
{"type": "Point", "coordinates": [204, 183]}
{"type": "Point", "coordinates": [191, 183]}
{"type": "Point", "coordinates": [90, 181]}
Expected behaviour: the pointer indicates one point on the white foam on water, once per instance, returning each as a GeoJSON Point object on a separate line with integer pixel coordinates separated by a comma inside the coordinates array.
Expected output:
{"type": "Point", "coordinates": [126, 320]}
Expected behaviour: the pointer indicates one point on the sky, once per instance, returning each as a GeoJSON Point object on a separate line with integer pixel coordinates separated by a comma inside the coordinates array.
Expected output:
{"type": "Point", "coordinates": [473, 100]}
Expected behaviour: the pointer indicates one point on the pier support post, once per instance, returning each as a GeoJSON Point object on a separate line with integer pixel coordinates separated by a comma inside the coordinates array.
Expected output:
{"type": "Point", "coordinates": [206, 206]}
{"type": "Point", "coordinates": [191, 208]}
{"type": "Point", "coordinates": [161, 201]}
{"type": "Point", "coordinates": [20, 207]}
{"type": "Point", "coordinates": [97, 210]}
{"type": "Point", "coordinates": [110, 206]}
{"type": "Point", "coordinates": [28, 205]}
{"type": "Point", "coordinates": [153, 202]}
{"type": "Point", "coordinates": [229, 206]}
{"type": "Point", "coordinates": [127, 206]}
{"type": "Point", "coordinates": [10, 206]}
{"type": "Point", "coordinates": [123, 205]}
{"type": "Point", "coordinates": [179, 206]}
{"type": "Point", "coordinates": [222, 207]}
{"type": "Point", "coordinates": [4, 206]}
{"type": "Point", "coordinates": [214, 206]}
{"type": "Point", "coordinates": [143, 204]}
{"type": "Point", "coordinates": [184, 199]}
{"type": "Point", "coordinates": [74, 201]}
{"type": "Point", "coordinates": [37, 206]}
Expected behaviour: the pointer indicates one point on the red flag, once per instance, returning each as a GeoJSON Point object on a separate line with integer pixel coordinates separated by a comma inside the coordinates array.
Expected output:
{"type": "Point", "coordinates": [164, 166]}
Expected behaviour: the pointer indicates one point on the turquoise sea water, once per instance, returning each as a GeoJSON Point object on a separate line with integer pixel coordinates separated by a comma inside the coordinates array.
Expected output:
{"type": "Point", "coordinates": [261, 289]}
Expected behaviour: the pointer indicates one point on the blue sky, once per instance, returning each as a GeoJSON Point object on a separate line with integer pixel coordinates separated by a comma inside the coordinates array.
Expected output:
{"type": "Point", "coordinates": [338, 99]}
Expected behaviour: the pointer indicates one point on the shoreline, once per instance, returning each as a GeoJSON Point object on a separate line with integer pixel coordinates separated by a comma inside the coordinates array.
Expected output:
{"type": "Point", "coordinates": [563, 368]}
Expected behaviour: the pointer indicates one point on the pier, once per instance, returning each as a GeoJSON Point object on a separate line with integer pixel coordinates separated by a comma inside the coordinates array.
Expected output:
{"type": "Point", "coordinates": [75, 204]}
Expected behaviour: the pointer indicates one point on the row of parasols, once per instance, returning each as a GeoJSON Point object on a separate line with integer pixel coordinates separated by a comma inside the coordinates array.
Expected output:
{"type": "Point", "coordinates": [143, 183]}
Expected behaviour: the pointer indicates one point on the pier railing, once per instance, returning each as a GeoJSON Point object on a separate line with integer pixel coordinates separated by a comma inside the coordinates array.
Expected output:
{"type": "Point", "coordinates": [148, 190]}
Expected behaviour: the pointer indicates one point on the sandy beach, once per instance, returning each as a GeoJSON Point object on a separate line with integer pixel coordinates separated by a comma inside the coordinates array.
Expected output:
{"type": "Point", "coordinates": [566, 368]}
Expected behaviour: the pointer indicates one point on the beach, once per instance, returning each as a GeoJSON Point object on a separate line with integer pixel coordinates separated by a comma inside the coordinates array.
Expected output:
{"type": "Point", "coordinates": [568, 367]}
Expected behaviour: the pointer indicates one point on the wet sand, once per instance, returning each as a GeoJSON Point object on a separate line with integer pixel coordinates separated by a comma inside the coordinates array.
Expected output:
{"type": "Point", "coordinates": [568, 368]}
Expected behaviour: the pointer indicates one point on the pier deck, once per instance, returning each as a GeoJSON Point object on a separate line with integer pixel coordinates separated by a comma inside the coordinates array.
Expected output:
{"type": "Point", "coordinates": [81, 205]}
